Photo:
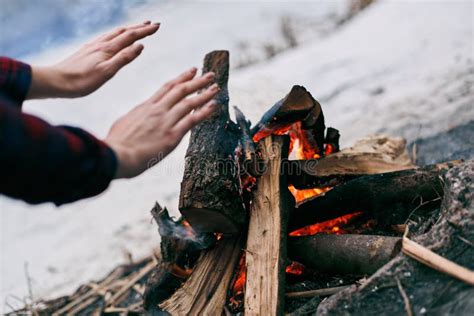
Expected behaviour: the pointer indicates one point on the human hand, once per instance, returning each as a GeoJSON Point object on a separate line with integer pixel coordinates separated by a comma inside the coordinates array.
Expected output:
{"type": "Point", "coordinates": [150, 131]}
{"type": "Point", "coordinates": [92, 65]}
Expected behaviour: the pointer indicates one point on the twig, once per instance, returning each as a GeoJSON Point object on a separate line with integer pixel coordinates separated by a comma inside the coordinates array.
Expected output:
{"type": "Point", "coordinates": [320, 292]}
{"type": "Point", "coordinates": [138, 276]}
{"type": "Point", "coordinates": [435, 261]}
{"type": "Point", "coordinates": [404, 295]}
{"type": "Point", "coordinates": [465, 241]}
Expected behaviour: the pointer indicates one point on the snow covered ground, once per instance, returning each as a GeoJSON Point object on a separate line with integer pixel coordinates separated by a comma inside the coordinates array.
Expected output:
{"type": "Point", "coordinates": [402, 68]}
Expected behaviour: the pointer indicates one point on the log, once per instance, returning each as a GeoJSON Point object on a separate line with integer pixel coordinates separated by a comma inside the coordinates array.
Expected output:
{"type": "Point", "coordinates": [343, 254]}
{"type": "Point", "coordinates": [388, 197]}
{"type": "Point", "coordinates": [266, 241]}
{"type": "Point", "coordinates": [297, 110]}
{"type": "Point", "coordinates": [210, 191]}
{"type": "Point", "coordinates": [371, 155]}
{"type": "Point", "coordinates": [205, 292]}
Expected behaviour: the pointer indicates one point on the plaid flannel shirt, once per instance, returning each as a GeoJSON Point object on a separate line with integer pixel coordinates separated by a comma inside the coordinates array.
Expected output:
{"type": "Point", "coordinates": [44, 163]}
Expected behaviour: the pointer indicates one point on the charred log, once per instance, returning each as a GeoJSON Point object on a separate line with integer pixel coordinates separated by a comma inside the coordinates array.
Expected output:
{"type": "Point", "coordinates": [390, 197]}
{"type": "Point", "coordinates": [210, 192]}
{"type": "Point", "coordinates": [331, 141]}
{"type": "Point", "coordinates": [343, 254]}
{"type": "Point", "coordinates": [266, 241]}
{"type": "Point", "coordinates": [180, 248]}
{"type": "Point", "coordinates": [298, 107]}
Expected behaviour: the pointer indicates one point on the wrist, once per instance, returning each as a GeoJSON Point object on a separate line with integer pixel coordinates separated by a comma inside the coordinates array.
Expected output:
{"type": "Point", "coordinates": [125, 161]}
{"type": "Point", "coordinates": [47, 82]}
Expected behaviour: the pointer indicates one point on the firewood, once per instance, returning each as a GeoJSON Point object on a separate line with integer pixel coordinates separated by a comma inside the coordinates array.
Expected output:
{"type": "Point", "coordinates": [249, 162]}
{"type": "Point", "coordinates": [343, 254]}
{"type": "Point", "coordinates": [332, 140]}
{"type": "Point", "coordinates": [210, 192]}
{"type": "Point", "coordinates": [298, 106]}
{"type": "Point", "coordinates": [389, 197]}
{"type": "Point", "coordinates": [266, 241]}
{"type": "Point", "coordinates": [205, 292]}
{"type": "Point", "coordinates": [371, 155]}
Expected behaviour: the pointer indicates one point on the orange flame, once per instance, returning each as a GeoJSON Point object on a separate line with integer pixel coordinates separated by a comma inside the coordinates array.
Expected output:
{"type": "Point", "coordinates": [301, 195]}
{"type": "Point", "coordinates": [238, 286]}
{"type": "Point", "coordinates": [332, 226]}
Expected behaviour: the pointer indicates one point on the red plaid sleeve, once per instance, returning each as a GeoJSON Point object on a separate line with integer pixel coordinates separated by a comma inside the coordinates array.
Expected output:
{"type": "Point", "coordinates": [15, 80]}
{"type": "Point", "coordinates": [44, 163]}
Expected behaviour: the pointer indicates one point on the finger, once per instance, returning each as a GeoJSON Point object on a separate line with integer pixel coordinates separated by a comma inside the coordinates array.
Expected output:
{"type": "Point", "coordinates": [108, 36]}
{"type": "Point", "coordinates": [185, 107]}
{"type": "Point", "coordinates": [182, 90]}
{"type": "Point", "coordinates": [185, 76]}
{"type": "Point", "coordinates": [194, 118]}
{"type": "Point", "coordinates": [124, 57]}
{"type": "Point", "coordinates": [130, 36]}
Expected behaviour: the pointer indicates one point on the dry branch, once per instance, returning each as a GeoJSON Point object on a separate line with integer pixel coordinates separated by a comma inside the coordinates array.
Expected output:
{"type": "Point", "coordinates": [435, 261]}
{"type": "Point", "coordinates": [319, 292]}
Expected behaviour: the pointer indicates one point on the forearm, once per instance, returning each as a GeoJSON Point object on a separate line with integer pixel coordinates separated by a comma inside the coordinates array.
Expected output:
{"type": "Point", "coordinates": [44, 163]}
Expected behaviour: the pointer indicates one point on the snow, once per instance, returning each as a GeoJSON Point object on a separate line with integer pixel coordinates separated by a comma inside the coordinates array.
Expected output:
{"type": "Point", "coordinates": [401, 68]}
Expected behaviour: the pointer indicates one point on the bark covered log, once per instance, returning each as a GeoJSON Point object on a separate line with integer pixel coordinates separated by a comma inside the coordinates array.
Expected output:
{"type": "Point", "coordinates": [210, 191]}
{"type": "Point", "coordinates": [343, 254]}
{"type": "Point", "coordinates": [389, 197]}
{"type": "Point", "coordinates": [266, 242]}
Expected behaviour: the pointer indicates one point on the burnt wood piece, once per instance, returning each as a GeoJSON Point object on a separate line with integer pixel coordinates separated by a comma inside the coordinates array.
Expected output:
{"type": "Point", "coordinates": [210, 191]}
{"type": "Point", "coordinates": [298, 106]}
{"type": "Point", "coordinates": [388, 197]}
{"type": "Point", "coordinates": [249, 160]}
{"type": "Point", "coordinates": [332, 139]}
{"type": "Point", "coordinates": [180, 248]}
{"type": "Point", "coordinates": [266, 242]}
{"type": "Point", "coordinates": [371, 155]}
{"type": "Point", "coordinates": [343, 254]}
{"type": "Point", "coordinates": [205, 291]}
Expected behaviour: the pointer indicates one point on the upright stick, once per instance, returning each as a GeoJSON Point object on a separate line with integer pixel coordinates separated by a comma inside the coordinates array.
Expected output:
{"type": "Point", "coordinates": [266, 242]}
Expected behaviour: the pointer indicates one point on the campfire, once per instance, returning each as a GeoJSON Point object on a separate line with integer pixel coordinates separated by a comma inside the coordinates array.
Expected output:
{"type": "Point", "coordinates": [280, 200]}
{"type": "Point", "coordinates": [277, 214]}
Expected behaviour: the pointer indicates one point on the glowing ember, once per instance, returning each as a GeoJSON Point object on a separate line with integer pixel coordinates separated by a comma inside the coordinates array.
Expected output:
{"type": "Point", "coordinates": [295, 268]}
{"type": "Point", "coordinates": [188, 229]}
{"type": "Point", "coordinates": [301, 195]}
{"type": "Point", "coordinates": [328, 150]}
{"type": "Point", "coordinates": [332, 226]}
{"type": "Point", "coordinates": [238, 286]}
{"type": "Point", "coordinates": [180, 272]}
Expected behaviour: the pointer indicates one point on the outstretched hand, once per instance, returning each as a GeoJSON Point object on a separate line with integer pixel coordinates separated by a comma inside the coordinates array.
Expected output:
{"type": "Point", "coordinates": [154, 128]}
{"type": "Point", "coordinates": [92, 65]}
